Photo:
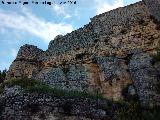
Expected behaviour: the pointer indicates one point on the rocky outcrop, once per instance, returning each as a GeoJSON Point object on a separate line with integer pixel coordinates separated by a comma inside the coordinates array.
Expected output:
{"type": "Point", "coordinates": [17, 104]}
{"type": "Point", "coordinates": [115, 49]}
{"type": "Point", "coordinates": [27, 62]}
{"type": "Point", "coordinates": [144, 77]}
{"type": "Point", "coordinates": [115, 77]}
{"type": "Point", "coordinates": [154, 8]}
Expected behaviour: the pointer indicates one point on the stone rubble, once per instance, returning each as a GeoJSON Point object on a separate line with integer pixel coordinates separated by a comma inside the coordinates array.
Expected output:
{"type": "Point", "coordinates": [19, 104]}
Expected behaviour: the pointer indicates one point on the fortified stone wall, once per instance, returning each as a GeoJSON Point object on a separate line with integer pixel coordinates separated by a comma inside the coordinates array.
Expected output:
{"type": "Point", "coordinates": [101, 56]}
{"type": "Point", "coordinates": [26, 63]}
{"type": "Point", "coordinates": [154, 8]}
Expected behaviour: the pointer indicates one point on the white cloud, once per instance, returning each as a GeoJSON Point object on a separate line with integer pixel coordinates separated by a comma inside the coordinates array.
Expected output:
{"type": "Point", "coordinates": [104, 6]}
{"type": "Point", "coordinates": [4, 65]}
{"type": "Point", "coordinates": [59, 9]}
{"type": "Point", "coordinates": [128, 2]}
{"type": "Point", "coordinates": [14, 53]}
{"type": "Point", "coordinates": [2, 31]}
{"type": "Point", "coordinates": [28, 22]}
{"type": "Point", "coordinates": [67, 16]}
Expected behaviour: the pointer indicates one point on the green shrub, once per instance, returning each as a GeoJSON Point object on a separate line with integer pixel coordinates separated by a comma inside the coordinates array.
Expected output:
{"type": "Point", "coordinates": [157, 57]}
{"type": "Point", "coordinates": [1, 89]}
{"type": "Point", "coordinates": [41, 87]}
{"type": "Point", "coordinates": [131, 111]}
{"type": "Point", "coordinates": [125, 110]}
{"type": "Point", "coordinates": [134, 111]}
{"type": "Point", "coordinates": [2, 75]}
{"type": "Point", "coordinates": [152, 114]}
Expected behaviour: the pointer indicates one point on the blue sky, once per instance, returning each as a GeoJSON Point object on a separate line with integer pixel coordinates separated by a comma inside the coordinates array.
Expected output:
{"type": "Point", "coordinates": [38, 24]}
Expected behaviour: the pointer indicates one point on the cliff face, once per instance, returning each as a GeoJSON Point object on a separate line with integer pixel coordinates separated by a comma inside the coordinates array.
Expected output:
{"type": "Point", "coordinates": [115, 49]}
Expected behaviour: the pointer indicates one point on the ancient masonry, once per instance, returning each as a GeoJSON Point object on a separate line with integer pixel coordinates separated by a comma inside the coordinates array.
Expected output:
{"type": "Point", "coordinates": [115, 49]}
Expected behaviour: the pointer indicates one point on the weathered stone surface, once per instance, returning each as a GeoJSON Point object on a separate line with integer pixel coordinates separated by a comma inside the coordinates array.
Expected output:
{"type": "Point", "coordinates": [21, 105]}
{"type": "Point", "coordinates": [96, 57]}
{"type": "Point", "coordinates": [55, 76]}
{"type": "Point", "coordinates": [29, 52]}
{"type": "Point", "coordinates": [144, 77]}
{"type": "Point", "coordinates": [154, 7]}
{"type": "Point", "coordinates": [27, 62]}
{"type": "Point", "coordinates": [116, 76]}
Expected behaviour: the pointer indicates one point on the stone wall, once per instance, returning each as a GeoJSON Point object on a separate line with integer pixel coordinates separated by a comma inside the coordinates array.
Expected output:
{"type": "Point", "coordinates": [99, 56]}
{"type": "Point", "coordinates": [154, 8]}
{"type": "Point", "coordinates": [144, 76]}
{"type": "Point", "coordinates": [27, 62]}
{"type": "Point", "coordinates": [18, 104]}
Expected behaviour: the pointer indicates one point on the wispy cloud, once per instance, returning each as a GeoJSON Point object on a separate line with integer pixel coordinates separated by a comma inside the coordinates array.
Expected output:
{"type": "Point", "coordinates": [104, 5]}
{"type": "Point", "coordinates": [14, 53]}
{"type": "Point", "coordinates": [4, 65]}
{"type": "Point", "coordinates": [2, 30]}
{"type": "Point", "coordinates": [7, 56]}
{"type": "Point", "coordinates": [61, 10]}
{"type": "Point", "coordinates": [28, 22]}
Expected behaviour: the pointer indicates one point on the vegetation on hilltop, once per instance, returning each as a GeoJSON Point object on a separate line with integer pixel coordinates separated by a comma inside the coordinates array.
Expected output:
{"type": "Point", "coordinates": [123, 110]}
{"type": "Point", "coordinates": [2, 75]}
{"type": "Point", "coordinates": [31, 85]}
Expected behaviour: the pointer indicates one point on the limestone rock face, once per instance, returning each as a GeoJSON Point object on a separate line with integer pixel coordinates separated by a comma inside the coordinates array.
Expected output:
{"type": "Point", "coordinates": [154, 7]}
{"type": "Point", "coordinates": [104, 56]}
{"type": "Point", "coordinates": [115, 76]}
{"type": "Point", "coordinates": [29, 52]}
{"type": "Point", "coordinates": [55, 76]}
{"type": "Point", "coordinates": [27, 62]}
{"type": "Point", "coordinates": [144, 77]}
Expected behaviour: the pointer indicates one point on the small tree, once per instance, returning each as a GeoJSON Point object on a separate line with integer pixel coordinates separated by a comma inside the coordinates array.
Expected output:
{"type": "Point", "coordinates": [0, 76]}
{"type": "Point", "coordinates": [3, 75]}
